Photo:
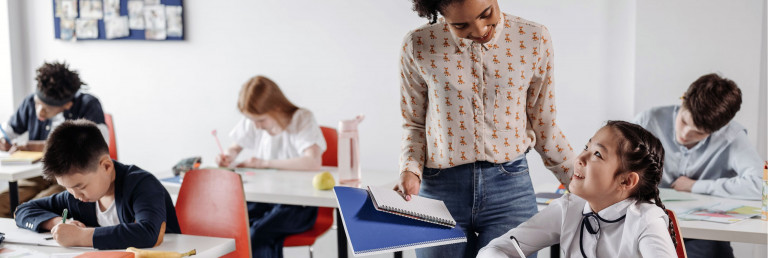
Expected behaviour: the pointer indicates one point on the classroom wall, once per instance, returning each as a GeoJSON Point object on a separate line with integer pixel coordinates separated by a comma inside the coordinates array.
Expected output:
{"type": "Point", "coordinates": [678, 41]}
{"type": "Point", "coordinates": [337, 58]}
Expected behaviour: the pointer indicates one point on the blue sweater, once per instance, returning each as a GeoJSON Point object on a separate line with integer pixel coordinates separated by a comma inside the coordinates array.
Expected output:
{"type": "Point", "coordinates": [25, 119]}
{"type": "Point", "coordinates": [142, 206]}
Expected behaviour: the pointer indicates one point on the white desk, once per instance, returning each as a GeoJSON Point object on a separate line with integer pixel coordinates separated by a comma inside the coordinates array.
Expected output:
{"type": "Point", "coordinates": [205, 246]}
{"type": "Point", "coordinates": [295, 188]}
{"type": "Point", "coordinates": [13, 174]}
{"type": "Point", "coordinates": [747, 231]}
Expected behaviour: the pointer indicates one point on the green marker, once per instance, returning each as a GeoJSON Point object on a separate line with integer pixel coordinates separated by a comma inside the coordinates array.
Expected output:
{"type": "Point", "coordinates": [64, 217]}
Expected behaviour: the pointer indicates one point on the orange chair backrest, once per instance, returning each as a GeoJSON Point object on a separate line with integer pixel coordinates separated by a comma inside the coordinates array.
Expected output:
{"type": "Point", "coordinates": [680, 245]}
{"type": "Point", "coordinates": [112, 141]}
{"type": "Point", "coordinates": [330, 156]}
{"type": "Point", "coordinates": [212, 203]}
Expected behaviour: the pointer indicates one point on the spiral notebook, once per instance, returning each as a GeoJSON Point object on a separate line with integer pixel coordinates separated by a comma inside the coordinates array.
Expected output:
{"type": "Point", "coordinates": [374, 232]}
{"type": "Point", "coordinates": [421, 208]}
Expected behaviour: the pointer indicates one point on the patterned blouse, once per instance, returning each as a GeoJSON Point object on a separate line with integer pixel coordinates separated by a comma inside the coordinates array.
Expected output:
{"type": "Point", "coordinates": [463, 101]}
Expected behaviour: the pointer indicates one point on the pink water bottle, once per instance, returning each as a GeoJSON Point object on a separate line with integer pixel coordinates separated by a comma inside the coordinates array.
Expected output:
{"type": "Point", "coordinates": [349, 165]}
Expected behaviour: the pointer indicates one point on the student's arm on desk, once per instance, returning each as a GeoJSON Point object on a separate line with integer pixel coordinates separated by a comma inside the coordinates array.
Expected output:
{"type": "Point", "coordinates": [149, 213]}
{"type": "Point", "coordinates": [41, 215]}
{"type": "Point", "coordinates": [311, 159]}
{"type": "Point", "coordinates": [540, 231]}
{"type": "Point", "coordinates": [747, 184]}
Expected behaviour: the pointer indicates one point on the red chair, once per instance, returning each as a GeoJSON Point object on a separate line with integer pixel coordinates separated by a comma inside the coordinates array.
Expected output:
{"type": "Point", "coordinates": [211, 202]}
{"type": "Point", "coordinates": [324, 214]}
{"type": "Point", "coordinates": [680, 245]}
{"type": "Point", "coordinates": [112, 141]}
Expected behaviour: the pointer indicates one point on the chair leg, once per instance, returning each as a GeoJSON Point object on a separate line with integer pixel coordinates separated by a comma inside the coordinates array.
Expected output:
{"type": "Point", "coordinates": [311, 255]}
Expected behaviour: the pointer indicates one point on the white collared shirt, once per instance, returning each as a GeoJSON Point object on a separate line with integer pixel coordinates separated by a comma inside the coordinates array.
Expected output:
{"type": "Point", "coordinates": [643, 232]}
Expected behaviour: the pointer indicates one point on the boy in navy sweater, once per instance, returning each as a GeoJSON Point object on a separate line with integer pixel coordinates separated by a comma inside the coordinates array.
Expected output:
{"type": "Point", "coordinates": [111, 205]}
{"type": "Point", "coordinates": [58, 97]}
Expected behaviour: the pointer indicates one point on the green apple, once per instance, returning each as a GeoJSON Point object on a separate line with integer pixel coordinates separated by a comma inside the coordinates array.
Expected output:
{"type": "Point", "coordinates": [323, 181]}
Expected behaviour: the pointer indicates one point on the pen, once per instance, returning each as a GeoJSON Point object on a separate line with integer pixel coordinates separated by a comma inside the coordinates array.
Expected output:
{"type": "Point", "coordinates": [217, 141]}
{"type": "Point", "coordinates": [64, 217]}
{"type": "Point", "coordinates": [5, 135]}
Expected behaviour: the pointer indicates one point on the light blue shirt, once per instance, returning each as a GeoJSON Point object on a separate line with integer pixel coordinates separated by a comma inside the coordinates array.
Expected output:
{"type": "Point", "coordinates": [724, 164]}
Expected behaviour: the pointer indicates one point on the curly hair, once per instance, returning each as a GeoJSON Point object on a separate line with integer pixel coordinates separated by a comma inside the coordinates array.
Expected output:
{"type": "Point", "coordinates": [429, 8]}
{"type": "Point", "coordinates": [56, 81]}
{"type": "Point", "coordinates": [643, 153]}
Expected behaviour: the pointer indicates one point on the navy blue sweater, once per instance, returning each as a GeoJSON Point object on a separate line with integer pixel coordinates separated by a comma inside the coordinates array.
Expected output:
{"type": "Point", "coordinates": [25, 119]}
{"type": "Point", "coordinates": [142, 206]}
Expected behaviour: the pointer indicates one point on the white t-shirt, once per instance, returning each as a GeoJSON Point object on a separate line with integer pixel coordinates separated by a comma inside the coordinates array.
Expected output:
{"type": "Point", "coordinates": [301, 133]}
{"type": "Point", "coordinates": [108, 217]}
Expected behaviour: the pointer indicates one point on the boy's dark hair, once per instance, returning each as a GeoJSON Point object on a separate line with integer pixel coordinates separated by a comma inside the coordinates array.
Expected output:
{"type": "Point", "coordinates": [429, 8]}
{"type": "Point", "coordinates": [639, 151]}
{"type": "Point", "coordinates": [74, 146]}
{"type": "Point", "coordinates": [56, 81]}
{"type": "Point", "coordinates": [713, 101]}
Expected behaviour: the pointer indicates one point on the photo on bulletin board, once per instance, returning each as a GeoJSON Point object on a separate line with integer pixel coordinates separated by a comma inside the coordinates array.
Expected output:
{"type": "Point", "coordinates": [118, 20]}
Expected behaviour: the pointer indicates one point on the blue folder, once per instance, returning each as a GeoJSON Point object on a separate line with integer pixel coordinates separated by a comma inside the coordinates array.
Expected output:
{"type": "Point", "coordinates": [373, 232]}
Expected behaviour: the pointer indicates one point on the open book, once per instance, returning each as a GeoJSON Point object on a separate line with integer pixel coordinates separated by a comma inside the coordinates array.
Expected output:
{"type": "Point", "coordinates": [421, 208]}
{"type": "Point", "coordinates": [22, 158]}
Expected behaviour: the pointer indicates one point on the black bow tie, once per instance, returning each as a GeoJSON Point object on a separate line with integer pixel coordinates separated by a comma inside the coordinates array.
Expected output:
{"type": "Point", "coordinates": [587, 223]}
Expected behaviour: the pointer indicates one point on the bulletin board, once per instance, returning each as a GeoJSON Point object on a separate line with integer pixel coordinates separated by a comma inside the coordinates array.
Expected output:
{"type": "Point", "coordinates": [72, 14]}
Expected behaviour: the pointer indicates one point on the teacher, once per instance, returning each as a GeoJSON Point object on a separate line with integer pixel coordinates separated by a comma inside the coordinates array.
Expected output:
{"type": "Point", "coordinates": [477, 92]}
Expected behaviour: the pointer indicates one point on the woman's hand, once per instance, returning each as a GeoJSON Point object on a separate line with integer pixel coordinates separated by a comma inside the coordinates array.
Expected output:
{"type": "Point", "coordinates": [409, 185]}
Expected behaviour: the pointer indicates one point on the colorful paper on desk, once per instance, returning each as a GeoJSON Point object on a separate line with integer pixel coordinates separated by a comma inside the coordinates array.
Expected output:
{"type": "Point", "coordinates": [721, 213]}
{"type": "Point", "coordinates": [669, 195]}
{"type": "Point", "coordinates": [22, 158]}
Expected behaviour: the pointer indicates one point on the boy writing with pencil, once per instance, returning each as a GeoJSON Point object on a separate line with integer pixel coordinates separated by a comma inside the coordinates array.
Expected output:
{"type": "Point", "coordinates": [112, 205]}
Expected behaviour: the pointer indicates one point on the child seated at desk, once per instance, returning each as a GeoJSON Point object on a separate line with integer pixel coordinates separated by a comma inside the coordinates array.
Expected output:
{"type": "Point", "coordinates": [58, 97]}
{"type": "Point", "coordinates": [283, 136]}
{"type": "Point", "coordinates": [613, 209]}
{"type": "Point", "coordinates": [706, 152]}
{"type": "Point", "coordinates": [111, 205]}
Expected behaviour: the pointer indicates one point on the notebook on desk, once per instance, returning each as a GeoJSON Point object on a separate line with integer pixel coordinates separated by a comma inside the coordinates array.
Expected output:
{"type": "Point", "coordinates": [421, 208]}
{"type": "Point", "coordinates": [371, 231]}
{"type": "Point", "coordinates": [22, 158]}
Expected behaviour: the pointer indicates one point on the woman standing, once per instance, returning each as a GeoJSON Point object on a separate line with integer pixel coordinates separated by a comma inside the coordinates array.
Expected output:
{"type": "Point", "coordinates": [477, 94]}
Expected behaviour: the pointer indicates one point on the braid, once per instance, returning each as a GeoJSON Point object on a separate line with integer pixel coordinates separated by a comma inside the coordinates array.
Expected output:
{"type": "Point", "coordinates": [643, 153]}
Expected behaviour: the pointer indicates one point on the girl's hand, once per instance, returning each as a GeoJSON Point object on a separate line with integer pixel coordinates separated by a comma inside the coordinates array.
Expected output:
{"type": "Point", "coordinates": [409, 185]}
{"type": "Point", "coordinates": [253, 163]}
{"type": "Point", "coordinates": [223, 160]}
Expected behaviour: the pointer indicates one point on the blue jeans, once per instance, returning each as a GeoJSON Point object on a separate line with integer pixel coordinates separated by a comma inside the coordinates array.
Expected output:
{"type": "Point", "coordinates": [485, 199]}
{"type": "Point", "coordinates": [271, 223]}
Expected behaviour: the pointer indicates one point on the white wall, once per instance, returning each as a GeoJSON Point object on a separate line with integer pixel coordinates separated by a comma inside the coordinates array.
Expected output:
{"type": "Point", "coordinates": [337, 58]}
{"type": "Point", "coordinates": [678, 41]}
